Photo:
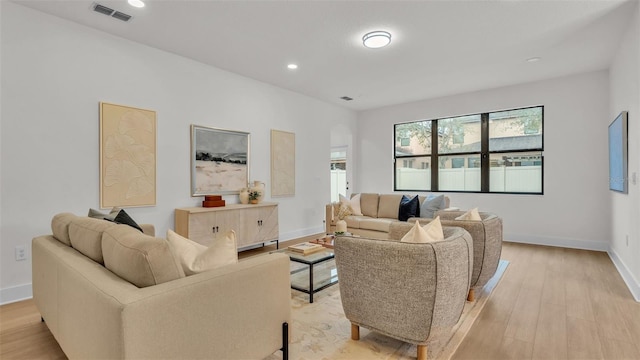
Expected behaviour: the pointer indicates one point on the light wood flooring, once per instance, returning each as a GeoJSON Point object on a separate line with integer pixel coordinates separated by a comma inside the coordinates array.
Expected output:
{"type": "Point", "coordinates": [552, 303]}
{"type": "Point", "coordinates": [556, 303]}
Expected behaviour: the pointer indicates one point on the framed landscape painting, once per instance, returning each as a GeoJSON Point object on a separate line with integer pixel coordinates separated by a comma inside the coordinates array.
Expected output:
{"type": "Point", "coordinates": [219, 161]}
{"type": "Point", "coordinates": [127, 156]}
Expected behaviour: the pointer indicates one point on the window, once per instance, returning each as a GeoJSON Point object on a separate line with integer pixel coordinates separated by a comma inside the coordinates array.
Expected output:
{"type": "Point", "coordinates": [498, 152]}
{"type": "Point", "coordinates": [457, 163]}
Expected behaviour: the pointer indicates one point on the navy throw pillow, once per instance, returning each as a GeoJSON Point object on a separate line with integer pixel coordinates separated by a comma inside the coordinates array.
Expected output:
{"type": "Point", "coordinates": [409, 207]}
{"type": "Point", "coordinates": [124, 218]}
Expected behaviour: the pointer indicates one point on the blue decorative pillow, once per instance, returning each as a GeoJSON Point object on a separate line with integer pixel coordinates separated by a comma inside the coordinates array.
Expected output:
{"type": "Point", "coordinates": [431, 205]}
{"type": "Point", "coordinates": [409, 207]}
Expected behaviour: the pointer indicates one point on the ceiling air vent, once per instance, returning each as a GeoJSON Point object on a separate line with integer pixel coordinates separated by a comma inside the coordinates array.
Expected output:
{"type": "Point", "coordinates": [346, 98]}
{"type": "Point", "coordinates": [110, 12]}
{"type": "Point", "coordinates": [121, 16]}
{"type": "Point", "coordinates": [103, 9]}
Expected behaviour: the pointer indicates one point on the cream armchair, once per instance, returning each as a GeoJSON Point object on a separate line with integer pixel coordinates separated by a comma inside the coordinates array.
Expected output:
{"type": "Point", "coordinates": [410, 292]}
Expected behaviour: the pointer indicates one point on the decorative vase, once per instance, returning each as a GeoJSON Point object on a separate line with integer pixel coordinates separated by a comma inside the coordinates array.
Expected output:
{"type": "Point", "coordinates": [341, 227]}
{"type": "Point", "coordinates": [259, 187]}
{"type": "Point", "coordinates": [244, 196]}
{"type": "Point", "coordinates": [253, 201]}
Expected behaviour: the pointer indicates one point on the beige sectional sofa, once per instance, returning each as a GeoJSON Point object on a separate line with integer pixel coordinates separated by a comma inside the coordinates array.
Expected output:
{"type": "Point", "coordinates": [108, 291]}
{"type": "Point", "coordinates": [378, 212]}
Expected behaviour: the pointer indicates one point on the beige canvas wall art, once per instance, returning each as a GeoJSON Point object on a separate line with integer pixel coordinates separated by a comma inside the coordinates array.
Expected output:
{"type": "Point", "coordinates": [127, 156]}
{"type": "Point", "coordinates": [283, 163]}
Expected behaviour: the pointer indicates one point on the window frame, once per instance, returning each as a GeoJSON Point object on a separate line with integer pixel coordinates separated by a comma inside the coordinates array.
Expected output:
{"type": "Point", "coordinates": [484, 154]}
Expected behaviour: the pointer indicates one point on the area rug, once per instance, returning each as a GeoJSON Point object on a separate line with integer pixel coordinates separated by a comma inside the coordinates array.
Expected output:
{"type": "Point", "coordinates": [320, 330]}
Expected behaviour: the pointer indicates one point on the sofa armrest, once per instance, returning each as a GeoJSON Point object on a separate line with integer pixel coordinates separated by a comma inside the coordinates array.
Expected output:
{"type": "Point", "coordinates": [329, 218]}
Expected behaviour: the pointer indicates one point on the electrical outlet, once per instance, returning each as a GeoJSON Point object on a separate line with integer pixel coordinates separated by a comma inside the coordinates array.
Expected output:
{"type": "Point", "coordinates": [21, 253]}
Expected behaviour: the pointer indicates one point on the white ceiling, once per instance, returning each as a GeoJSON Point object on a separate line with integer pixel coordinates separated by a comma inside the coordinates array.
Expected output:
{"type": "Point", "coordinates": [438, 48]}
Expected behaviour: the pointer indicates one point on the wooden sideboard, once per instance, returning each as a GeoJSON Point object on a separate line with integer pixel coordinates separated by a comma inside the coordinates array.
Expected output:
{"type": "Point", "coordinates": [253, 223]}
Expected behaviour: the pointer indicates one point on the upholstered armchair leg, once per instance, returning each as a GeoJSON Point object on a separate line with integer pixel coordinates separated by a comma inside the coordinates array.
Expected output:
{"type": "Point", "coordinates": [422, 352]}
{"type": "Point", "coordinates": [472, 295]}
{"type": "Point", "coordinates": [285, 341]}
{"type": "Point", "coordinates": [355, 332]}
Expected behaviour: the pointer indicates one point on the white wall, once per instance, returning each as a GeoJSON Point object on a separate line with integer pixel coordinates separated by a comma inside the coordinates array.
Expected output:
{"type": "Point", "coordinates": [55, 72]}
{"type": "Point", "coordinates": [574, 209]}
{"type": "Point", "coordinates": [625, 209]}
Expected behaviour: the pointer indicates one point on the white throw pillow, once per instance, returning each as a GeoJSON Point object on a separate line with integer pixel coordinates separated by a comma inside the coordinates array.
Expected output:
{"type": "Point", "coordinates": [424, 234]}
{"type": "Point", "coordinates": [472, 214]}
{"type": "Point", "coordinates": [354, 204]}
{"type": "Point", "coordinates": [195, 258]}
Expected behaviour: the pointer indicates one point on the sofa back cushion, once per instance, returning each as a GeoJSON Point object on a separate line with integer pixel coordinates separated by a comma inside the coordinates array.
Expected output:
{"type": "Point", "coordinates": [85, 234]}
{"type": "Point", "coordinates": [369, 204]}
{"type": "Point", "coordinates": [138, 258]}
{"type": "Point", "coordinates": [60, 227]}
{"type": "Point", "coordinates": [389, 206]}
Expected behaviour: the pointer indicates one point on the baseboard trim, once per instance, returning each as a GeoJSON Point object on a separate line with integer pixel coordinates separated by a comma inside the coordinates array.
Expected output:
{"type": "Point", "coordinates": [571, 243]}
{"type": "Point", "coordinates": [301, 233]}
{"type": "Point", "coordinates": [627, 276]}
{"type": "Point", "coordinates": [15, 294]}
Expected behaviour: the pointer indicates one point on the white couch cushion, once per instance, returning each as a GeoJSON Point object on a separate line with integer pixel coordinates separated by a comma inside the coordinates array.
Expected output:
{"type": "Point", "coordinates": [85, 234]}
{"type": "Point", "coordinates": [60, 227]}
{"type": "Point", "coordinates": [424, 234]}
{"type": "Point", "coordinates": [196, 258]}
{"type": "Point", "coordinates": [389, 206]}
{"type": "Point", "coordinates": [472, 214]}
{"type": "Point", "coordinates": [138, 258]}
{"type": "Point", "coordinates": [378, 224]}
{"type": "Point", "coordinates": [369, 204]}
{"type": "Point", "coordinates": [354, 221]}
{"type": "Point", "coordinates": [353, 203]}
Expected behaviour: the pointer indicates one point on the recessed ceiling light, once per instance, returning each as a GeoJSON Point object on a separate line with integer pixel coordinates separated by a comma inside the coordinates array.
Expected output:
{"type": "Point", "coordinates": [292, 66]}
{"type": "Point", "coordinates": [376, 39]}
{"type": "Point", "coordinates": [534, 59]}
{"type": "Point", "coordinates": [136, 3]}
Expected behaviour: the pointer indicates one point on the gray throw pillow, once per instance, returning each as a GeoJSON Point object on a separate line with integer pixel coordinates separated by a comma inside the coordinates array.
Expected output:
{"type": "Point", "coordinates": [431, 205]}
{"type": "Point", "coordinates": [96, 214]}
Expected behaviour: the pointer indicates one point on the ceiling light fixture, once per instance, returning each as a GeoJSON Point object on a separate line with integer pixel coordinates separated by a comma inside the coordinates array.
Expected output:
{"type": "Point", "coordinates": [136, 3]}
{"type": "Point", "coordinates": [376, 39]}
{"type": "Point", "coordinates": [533, 59]}
{"type": "Point", "coordinates": [292, 66]}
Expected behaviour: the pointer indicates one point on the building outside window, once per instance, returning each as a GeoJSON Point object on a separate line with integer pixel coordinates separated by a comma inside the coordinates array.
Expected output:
{"type": "Point", "coordinates": [496, 152]}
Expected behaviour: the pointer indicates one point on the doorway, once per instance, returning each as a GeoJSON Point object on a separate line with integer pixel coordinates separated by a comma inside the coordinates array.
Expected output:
{"type": "Point", "coordinates": [339, 182]}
